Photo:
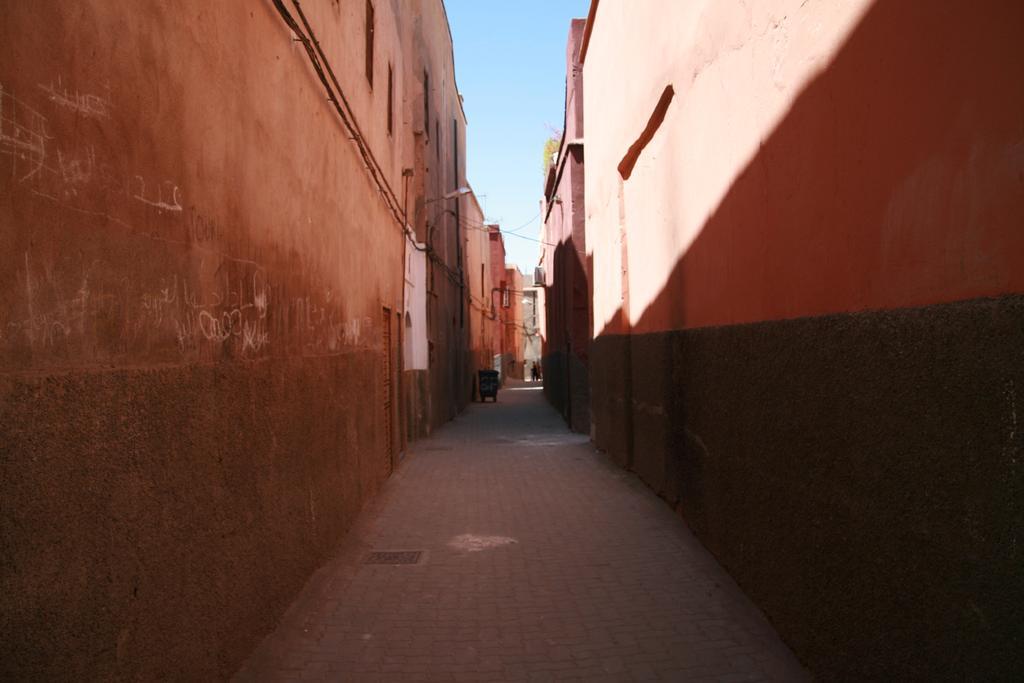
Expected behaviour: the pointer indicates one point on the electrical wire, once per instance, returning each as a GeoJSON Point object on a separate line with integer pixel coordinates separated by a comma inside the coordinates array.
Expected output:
{"type": "Point", "coordinates": [469, 226]}
{"type": "Point", "coordinates": [527, 223]}
{"type": "Point", "coordinates": [486, 227]}
{"type": "Point", "coordinates": [319, 62]}
{"type": "Point", "coordinates": [336, 97]}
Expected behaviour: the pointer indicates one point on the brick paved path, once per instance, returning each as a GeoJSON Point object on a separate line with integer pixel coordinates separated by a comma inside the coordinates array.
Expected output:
{"type": "Point", "coordinates": [543, 562]}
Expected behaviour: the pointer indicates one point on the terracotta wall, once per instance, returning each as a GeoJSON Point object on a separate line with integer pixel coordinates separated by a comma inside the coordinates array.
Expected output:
{"type": "Point", "coordinates": [567, 345]}
{"type": "Point", "coordinates": [484, 336]}
{"type": "Point", "coordinates": [804, 222]}
{"type": "Point", "coordinates": [200, 300]}
{"type": "Point", "coordinates": [438, 124]}
{"type": "Point", "coordinates": [533, 310]}
{"type": "Point", "coordinates": [499, 281]}
{"type": "Point", "coordinates": [933, 221]}
{"type": "Point", "coordinates": [511, 319]}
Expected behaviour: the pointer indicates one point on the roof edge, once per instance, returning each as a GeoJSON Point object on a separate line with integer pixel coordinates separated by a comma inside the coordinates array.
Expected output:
{"type": "Point", "coordinates": [587, 30]}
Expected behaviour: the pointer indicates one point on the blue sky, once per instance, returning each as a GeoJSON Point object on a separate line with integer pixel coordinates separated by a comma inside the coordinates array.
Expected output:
{"type": "Point", "coordinates": [510, 69]}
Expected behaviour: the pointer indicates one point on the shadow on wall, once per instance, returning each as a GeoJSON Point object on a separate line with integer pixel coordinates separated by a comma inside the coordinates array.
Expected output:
{"type": "Point", "coordinates": [851, 455]}
{"type": "Point", "coordinates": [567, 348]}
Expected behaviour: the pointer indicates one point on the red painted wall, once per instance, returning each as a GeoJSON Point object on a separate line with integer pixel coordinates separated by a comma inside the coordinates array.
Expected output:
{"type": "Point", "coordinates": [856, 473]}
{"type": "Point", "coordinates": [194, 271]}
{"type": "Point", "coordinates": [896, 180]}
{"type": "Point", "coordinates": [568, 324]}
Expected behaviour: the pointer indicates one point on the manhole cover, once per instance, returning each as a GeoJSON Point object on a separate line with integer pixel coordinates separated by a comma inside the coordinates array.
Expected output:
{"type": "Point", "coordinates": [394, 557]}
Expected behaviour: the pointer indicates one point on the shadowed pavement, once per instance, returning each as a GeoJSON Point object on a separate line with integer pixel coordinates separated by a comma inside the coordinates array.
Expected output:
{"type": "Point", "coordinates": [540, 560]}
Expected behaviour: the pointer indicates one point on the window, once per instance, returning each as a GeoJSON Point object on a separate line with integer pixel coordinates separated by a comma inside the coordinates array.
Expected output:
{"type": "Point", "coordinates": [391, 90]}
{"type": "Point", "coordinates": [369, 42]}
{"type": "Point", "coordinates": [437, 137]}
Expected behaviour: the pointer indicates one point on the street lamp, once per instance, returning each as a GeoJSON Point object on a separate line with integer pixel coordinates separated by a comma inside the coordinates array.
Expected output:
{"type": "Point", "coordinates": [458, 192]}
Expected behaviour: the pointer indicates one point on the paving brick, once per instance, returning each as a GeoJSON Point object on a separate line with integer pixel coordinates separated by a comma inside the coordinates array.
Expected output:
{"type": "Point", "coordinates": [544, 562]}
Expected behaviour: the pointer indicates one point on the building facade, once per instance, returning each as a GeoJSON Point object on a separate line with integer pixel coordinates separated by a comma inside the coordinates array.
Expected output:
{"type": "Point", "coordinates": [804, 221]}
{"type": "Point", "coordinates": [221, 270]}
{"type": "Point", "coordinates": [533, 312]}
{"type": "Point", "coordinates": [485, 335]}
{"type": "Point", "coordinates": [563, 258]}
{"type": "Point", "coordinates": [438, 185]}
{"type": "Point", "coordinates": [510, 314]}
{"type": "Point", "coordinates": [496, 296]}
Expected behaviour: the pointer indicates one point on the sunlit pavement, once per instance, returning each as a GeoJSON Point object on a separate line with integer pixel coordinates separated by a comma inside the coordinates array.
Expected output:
{"type": "Point", "coordinates": [539, 560]}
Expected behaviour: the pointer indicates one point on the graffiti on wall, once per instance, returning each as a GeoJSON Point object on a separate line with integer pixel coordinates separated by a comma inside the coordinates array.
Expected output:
{"type": "Point", "coordinates": [200, 298]}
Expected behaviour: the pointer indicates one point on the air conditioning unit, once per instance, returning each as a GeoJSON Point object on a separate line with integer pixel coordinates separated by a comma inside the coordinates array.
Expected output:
{"type": "Point", "coordinates": [538, 276]}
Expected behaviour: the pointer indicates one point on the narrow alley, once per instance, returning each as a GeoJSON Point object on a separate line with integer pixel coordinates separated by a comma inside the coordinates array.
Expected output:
{"type": "Point", "coordinates": [747, 277]}
{"type": "Point", "coordinates": [539, 560]}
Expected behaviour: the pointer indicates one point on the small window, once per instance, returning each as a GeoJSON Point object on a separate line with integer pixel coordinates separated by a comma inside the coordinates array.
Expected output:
{"type": "Point", "coordinates": [391, 91]}
{"type": "Point", "coordinates": [437, 137]}
{"type": "Point", "coordinates": [369, 42]}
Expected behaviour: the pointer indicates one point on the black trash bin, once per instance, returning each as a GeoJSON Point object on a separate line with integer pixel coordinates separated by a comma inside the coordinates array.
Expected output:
{"type": "Point", "coordinates": [488, 385]}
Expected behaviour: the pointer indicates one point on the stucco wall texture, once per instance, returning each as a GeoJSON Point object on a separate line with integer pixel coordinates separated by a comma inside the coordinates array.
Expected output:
{"type": "Point", "coordinates": [807, 310]}
{"type": "Point", "coordinates": [484, 324]}
{"type": "Point", "coordinates": [857, 474]}
{"type": "Point", "coordinates": [194, 269]}
{"type": "Point", "coordinates": [439, 126]}
{"type": "Point", "coordinates": [816, 157]}
{"type": "Point", "coordinates": [513, 330]}
{"type": "Point", "coordinates": [568, 326]}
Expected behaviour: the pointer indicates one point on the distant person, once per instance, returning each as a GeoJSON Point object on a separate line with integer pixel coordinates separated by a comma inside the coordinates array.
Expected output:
{"type": "Point", "coordinates": [533, 372]}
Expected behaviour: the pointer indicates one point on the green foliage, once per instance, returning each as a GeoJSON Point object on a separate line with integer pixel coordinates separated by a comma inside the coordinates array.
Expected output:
{"type": "Point", "coordinates": [550, 150]}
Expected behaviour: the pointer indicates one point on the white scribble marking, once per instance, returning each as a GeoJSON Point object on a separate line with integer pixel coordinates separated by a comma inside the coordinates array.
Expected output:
{"type": "Point", "coordinates": [185, 331]}
{"type": "Point", "coordinates": [471, 543]}
{"type": "Point", "coordinates": [351, 330]}
{"type": "Point", "coordinates": [77, 171]}
{"type": "Point", "coordinates": [40, 328]}
{"type": "Point", "coordinates": [259, 298]}
{"type": "Point", "coordinates": [165, 191]}
{"type": "Point", "coordinates": [162, 305]}
{"type": "Point", "coordinates": [83, 103]}
{"type": "Point", "coordinates": [219, 329]}
{"type": "Point", "coordinates": [253, 338]}
{"type": "Point", "coordinates": [22, 134]}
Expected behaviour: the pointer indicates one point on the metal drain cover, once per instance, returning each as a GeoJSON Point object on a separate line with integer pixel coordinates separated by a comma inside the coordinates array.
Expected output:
{"type": "Point", "coordinates": [394, 557]}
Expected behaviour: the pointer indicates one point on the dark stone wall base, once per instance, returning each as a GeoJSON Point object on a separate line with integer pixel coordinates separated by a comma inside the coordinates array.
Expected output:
{"type": "Point", "coordinates": [416, 399]}
{"type": "Point", "coordinates": [155, 523]}
{"type": "Point", "coordinates": [860, 475]}
{"type": "Point", "coordinates": [567, 388]}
